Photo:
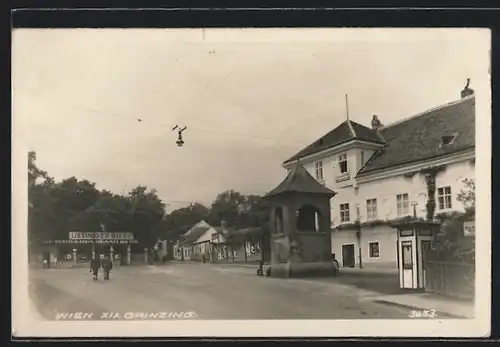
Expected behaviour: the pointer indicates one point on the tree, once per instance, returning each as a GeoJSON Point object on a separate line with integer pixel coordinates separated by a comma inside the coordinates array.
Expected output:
{"type": "Point", "coordinates": [467, 196]}
{"type": "Point", "coordinates": [253, 212]}
{"type": "Point", "coordinates": [34, 173]}
{"type": "Point", "coordinates": [450, 243]}
{"type": "Point", "coordinates": [111, 210]}
{"type": "Point", "coordinates": [239, 210]}
{"type": "Point", "coordinates": [181, 220]}
{"type": "Point", "coordinates": [41, 214]}
{"type": "Point", "coordinates": [228, 206]}
{"type": "Point", "coordinates": [147, 213]}
{"type": "Point", "coordinates": [72, 200]}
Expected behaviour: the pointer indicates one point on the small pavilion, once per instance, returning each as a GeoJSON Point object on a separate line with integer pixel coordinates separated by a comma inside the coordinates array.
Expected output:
{"type": "Point", "coordinates": [300, 226]}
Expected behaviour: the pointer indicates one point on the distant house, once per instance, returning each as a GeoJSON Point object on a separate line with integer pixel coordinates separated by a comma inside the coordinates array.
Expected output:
{"type": "Point", "coordinates": [383, 173]}
{"type": "Point", "coordinates": [222, 244]}
{"type": "Point", "coordinates": [196, 243]}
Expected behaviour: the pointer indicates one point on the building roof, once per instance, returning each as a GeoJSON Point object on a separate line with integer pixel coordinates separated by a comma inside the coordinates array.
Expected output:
{"type": "Point", "coordinates": [420, 137]}
{"type": "Point", "coordinates": [194, 233]}
{"type": "Point", "coordinates": [345, 132]}
{"type": "Point", "coordinates": [299, 180]}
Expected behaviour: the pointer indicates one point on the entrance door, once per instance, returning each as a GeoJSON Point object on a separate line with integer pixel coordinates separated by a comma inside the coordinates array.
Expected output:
{"type": "Point", "coordinates": [407, 252]}
{"type": "Point", "coordinates": [426, 246]}
{"type": "Point", "coordinates": [348, 259]}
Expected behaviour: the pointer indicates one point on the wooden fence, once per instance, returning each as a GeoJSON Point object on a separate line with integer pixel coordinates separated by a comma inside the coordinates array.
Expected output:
{"type": "Point", "coordinates": [451, 278]}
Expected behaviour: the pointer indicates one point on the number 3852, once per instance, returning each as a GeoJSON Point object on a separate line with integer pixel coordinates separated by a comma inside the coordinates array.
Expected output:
{"type": "Point", "coordinates": [423, 314]}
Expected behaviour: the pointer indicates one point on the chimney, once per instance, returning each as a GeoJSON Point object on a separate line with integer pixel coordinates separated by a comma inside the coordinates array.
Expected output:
{"type": "Point", "coordinates": [376, 124]}
{"type": "Point", "coordinates": [223, 225]}
{"type": "Point", "coordinates": [467, 91]}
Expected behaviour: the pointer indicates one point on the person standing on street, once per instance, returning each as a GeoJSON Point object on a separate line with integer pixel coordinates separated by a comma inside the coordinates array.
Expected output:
{"type": "Point", "coordinates": [107, 265]}
{"type": "Point", "coordinates": [95, 264]}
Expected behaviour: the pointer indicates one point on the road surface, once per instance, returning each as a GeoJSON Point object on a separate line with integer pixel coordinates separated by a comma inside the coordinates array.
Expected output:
{"type": "Point", "coordinates": [201, 291]}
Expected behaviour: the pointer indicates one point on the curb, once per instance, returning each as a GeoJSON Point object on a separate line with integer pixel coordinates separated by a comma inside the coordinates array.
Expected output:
{"type": "Point", "coordinates": [411, 307]}
{"type": "Point", "coordinates": [220, 264]}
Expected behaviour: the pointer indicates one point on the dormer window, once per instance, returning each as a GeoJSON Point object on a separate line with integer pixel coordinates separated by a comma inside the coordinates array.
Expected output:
{"type": "Point", "coordinates": [447, 140]}
{"type": "Point", "coordinates": [343, 163]}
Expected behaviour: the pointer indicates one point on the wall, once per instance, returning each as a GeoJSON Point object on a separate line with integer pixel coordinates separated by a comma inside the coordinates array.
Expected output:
{"type": "Point", "coordinates": [207, 236]}
{"type": "Point", "coordinates": [385, 191]}
{"type": "Point", "coordinates": [344, 237]}
{"type": "Point", "coordinates": [331, 168]}
{"type": "Point", "coordinates": [187, 253]}
{"type": "Point", "coordinates": [256, 256]}
{"type": "Point", "coordinates": [386, 237]}
{"type": "Point", "coordinates": [238, 250]}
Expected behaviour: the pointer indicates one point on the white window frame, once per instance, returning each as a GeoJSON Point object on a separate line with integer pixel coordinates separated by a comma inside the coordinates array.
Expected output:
{"type": "Point", "coordinates": [402, 205]}
{"type": "Point", "coordinates": [344, 213]}
{"type": "Point", "coordinates": [371, 209]}
{"type": "Point", "coordinates": [370, 249]}
{"type": "Point", "coordinates": [343, 159]}
{"type": "Point", "coordinates": [444, 198]}
{"type": "Point", "coordinates": [319, 170]}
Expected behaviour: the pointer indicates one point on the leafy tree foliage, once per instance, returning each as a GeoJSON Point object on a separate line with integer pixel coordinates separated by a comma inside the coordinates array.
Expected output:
{"type": "Point", "coordinates": [450, 243]}
{"type": "Point", "coordinates": [467, 195]}
{"type": "Point", "coordinates": [55, 208]}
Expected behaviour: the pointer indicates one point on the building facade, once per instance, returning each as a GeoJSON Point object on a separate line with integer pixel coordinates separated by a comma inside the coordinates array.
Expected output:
{"type": "Point", "coordinates": [196, 243]}
{"type": "Point", "coordinates": [385, 173]}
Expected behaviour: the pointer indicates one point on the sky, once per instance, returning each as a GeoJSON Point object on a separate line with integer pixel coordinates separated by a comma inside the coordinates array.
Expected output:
{"type": "Point", "coordinates": [250, 98]}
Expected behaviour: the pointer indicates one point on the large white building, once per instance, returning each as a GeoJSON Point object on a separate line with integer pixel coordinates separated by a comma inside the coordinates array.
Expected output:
{"type": "Point", "coordinates": [377, 174]}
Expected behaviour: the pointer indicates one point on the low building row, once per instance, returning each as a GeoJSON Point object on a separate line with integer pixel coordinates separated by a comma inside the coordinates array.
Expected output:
{"type": "Point", "coordinates": [204, 242]}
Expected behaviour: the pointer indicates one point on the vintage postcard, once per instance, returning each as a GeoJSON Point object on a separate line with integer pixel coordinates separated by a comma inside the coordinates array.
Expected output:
{"type": "Point", "coordinates": [251, 182]}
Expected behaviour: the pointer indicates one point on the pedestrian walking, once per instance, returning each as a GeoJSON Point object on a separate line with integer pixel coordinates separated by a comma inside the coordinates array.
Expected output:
{"type": "Point", "coordinates": [95, 264]}
{"type": "Point", "coordinates": [260, 269]}
{"type": "Point", "coordinates": [107, 265]}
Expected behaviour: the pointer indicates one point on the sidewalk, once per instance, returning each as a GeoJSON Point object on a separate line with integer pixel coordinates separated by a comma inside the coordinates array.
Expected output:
{"type": "Point", "coordinates": [432, 303]}
{"type": "Point", "coordinates": [369, 271]}
{"type": "Point", "coordinates": [192, 262]}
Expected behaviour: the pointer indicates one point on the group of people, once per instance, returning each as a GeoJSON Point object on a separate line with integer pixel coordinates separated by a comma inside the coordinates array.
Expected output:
{"type": "Point", "coordinates": [105, 262]}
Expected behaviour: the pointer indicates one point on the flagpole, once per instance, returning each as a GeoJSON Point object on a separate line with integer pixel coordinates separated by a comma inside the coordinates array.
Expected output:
{"type": "Point", "coordinates": [347, 106]}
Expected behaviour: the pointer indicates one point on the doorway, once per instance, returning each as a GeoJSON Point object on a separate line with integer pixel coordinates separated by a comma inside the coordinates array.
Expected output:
{"type": "Point", "coordinates": [407, 255]}
{"type": "Point", "coordinates": [348, 257]}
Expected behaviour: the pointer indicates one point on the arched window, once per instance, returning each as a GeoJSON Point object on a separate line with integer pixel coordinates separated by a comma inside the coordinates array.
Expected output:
{"type": "Point", "coordinates": [278, 220]}
{"type": "Point", "coordinates": [308, 217]}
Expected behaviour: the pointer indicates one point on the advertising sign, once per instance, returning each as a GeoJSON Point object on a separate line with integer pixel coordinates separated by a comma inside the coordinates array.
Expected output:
{"type": "Point", "coordinates": [78, 235]}
{"type": "Point", "coordinates": [470, 228]}
{"type": "Point", "coordinates": [82, 241]}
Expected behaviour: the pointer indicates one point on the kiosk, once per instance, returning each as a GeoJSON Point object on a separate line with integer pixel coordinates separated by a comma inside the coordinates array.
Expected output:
{"type": "Point", "coordinates": [415, 239]}
{"type": "Point", "coordinates": [299, 226]}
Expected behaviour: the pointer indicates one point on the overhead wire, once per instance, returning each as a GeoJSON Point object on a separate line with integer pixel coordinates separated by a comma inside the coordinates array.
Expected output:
{"type": "Point", "coordinates": [171, 126]}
